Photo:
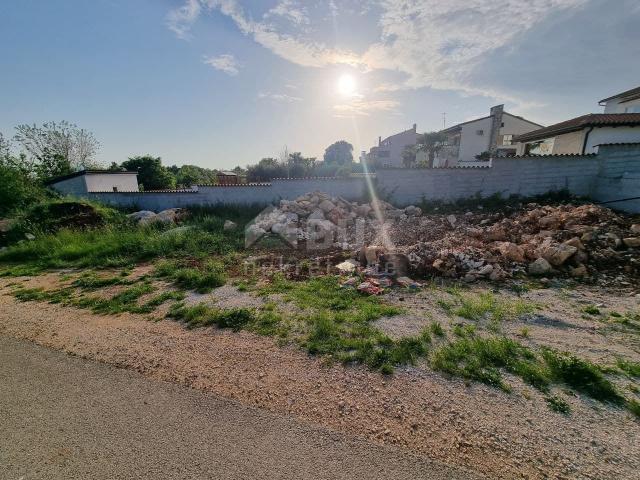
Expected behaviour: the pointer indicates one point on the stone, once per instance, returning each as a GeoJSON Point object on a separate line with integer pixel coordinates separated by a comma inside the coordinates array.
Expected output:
{"type": "Point", "coordinates": [170, 215]}
{"type": "Point", "coordinates": [452, 220]}
{"type": "Point", "coordinates": [587, 236]}
{"type": "Point", "coordinates": [347, 267]}
{"type": "Point", "coordinates": [486, 270]}
{"type": "Point", "coordinates": [143, 216]}
{"type": "Point", "coordinates": [326, 206]}
{"type": "Point", "coordinates": [317, 214]}
{"type": "Point", "coordinates": [612, 240]}
{"type": "Point", "coordinates": [253, 233]}
{"type": "Point", "coordinates": [29, 236]}
{"type": "Point", "coordinates": [579, 272]}
{"type": "Point", "coordinates": [511, 252]}
{"type": "Point", "coordinates": [550, 222]}
{"type": "Point", "coordinates": [229, 225]}
{"type": "Point", "coordinates": [635, 228]}
{"type": "Point", "coordinates": [556, 254]}
{"type": "Point", "coordinates": [413, 211]}
{"type": "Point", "coordinates": [540, 267]}
{"type": "Point", "coordinates": [633, 242]}
{"type": "Point", "coordinates": [496, 233]}
{"type": "Point", "coordinates": [575, 242]}
{"type": "Point", "coordinates": [6, 224]}
{"type": "Point", "coordinates": [363, 210]}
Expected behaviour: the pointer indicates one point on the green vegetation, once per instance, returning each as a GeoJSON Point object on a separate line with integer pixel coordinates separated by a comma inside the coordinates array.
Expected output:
{"type": "Point", "coordinates": [201, 277]}
{"type": "Point", "coordinates": [591, 310]}
{"type": "Point", "coordinates": [481, 359]}
{"type": "Point", "coordinates": [630, 368]}
{"type": "Point", "coordinates": [487, 306]}
{"type": "Point", "coordinates": [436, 329]}
{"type": "Point", "coordinates": [125, 244]}
{"type": "Point", "coordinates": [125, 301]}
{"type": "Point", "coordinates": [557, 404]}
{"type": "Point", "coordinates": [581, 375]}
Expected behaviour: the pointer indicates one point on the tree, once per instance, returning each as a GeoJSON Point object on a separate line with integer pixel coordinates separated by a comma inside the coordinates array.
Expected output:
{"type": "Point", "coordinates": [432, 143]}
{"type": "Point", "coordinates": [59, 146]}
{"type": "Point", "coordinates": [409, 155]}
{"type": "Point", "coordinates": [265, 170]}
{"type": "Point", "coordinates": [299, 166]}
{"type": "Point", "coordinates": [151, 174]}
{"type": "Point", "coordinates": [188, 175]}
{"type": "Point", "coordinates": [340, 153]}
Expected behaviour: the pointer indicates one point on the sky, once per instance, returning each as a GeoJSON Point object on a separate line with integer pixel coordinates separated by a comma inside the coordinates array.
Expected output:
{"type": "Point", "coordinates": [220, 83]}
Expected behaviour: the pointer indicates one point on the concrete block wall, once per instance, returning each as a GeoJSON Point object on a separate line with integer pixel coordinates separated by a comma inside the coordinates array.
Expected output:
{"type": "Point", "coordinates": [619, 177]}
{"type": "Point", "coordinates": [262, 194]}
{"type": "Point", "coordinates": [612, 174]}
{"type": "Point", "coordinates": [526, 176]}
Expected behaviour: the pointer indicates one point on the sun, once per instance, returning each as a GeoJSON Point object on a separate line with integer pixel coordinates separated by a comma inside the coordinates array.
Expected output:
{"type": "Point", "coordinates": [347, 85]}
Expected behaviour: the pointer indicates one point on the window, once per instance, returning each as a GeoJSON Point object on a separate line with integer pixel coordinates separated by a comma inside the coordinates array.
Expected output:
{"type": "Point", "coordinates": [635, 109]}
{"type": "Point", "coordinates": [480, 132]}
{"type": "Point", "coordinates": [502, 124]}
{"type": "Point", "coordinates": [115, 189]}
{"type": "Point", "coordinates": [507, 140]}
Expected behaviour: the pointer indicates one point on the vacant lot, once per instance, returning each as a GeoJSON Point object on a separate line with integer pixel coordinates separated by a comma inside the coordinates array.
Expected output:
{"type": "Point", "coordinates": [515, 378]}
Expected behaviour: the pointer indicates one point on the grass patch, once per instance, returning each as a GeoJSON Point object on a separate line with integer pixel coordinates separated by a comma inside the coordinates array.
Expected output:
{"type": "Point", "coordinates": [557, 404]}
{"type": "Point", "coordinates": [591, 310]}
{"type": "Point", "coordinates": [119, 243]}
{"type": "Point", "coordinates": [630, 368]}
{"type": "Point", "coordinates": [481, 359]}
{"type": "Point", "coordinates": [581, 375]}
{"type": "Point", "coordinates": [487, 306]}
{"type": "Point", "coordinates": [436, 329]}
{"type": "Point", "coordinates": [199, 276]}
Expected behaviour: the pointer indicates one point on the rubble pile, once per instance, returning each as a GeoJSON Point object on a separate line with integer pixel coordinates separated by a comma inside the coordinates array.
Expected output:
{"type": "Point", "coordinates": [581, 241]}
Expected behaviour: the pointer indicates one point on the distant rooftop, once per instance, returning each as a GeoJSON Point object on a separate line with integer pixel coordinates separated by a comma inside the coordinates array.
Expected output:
{"type": "Point", "coordinates": [624, 96]}
{"type": "Point", "coordinates": [584, 121]}
{"type": "Point", "coordinates": [79, 173]}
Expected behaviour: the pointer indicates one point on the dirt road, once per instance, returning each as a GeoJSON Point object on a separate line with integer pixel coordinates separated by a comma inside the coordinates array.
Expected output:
{"type": "Point", "coordinates": [66, 417]}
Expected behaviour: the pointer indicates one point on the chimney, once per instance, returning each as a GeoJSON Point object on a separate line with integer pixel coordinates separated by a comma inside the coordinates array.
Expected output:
{"type": "Point", "coordinates": [379, 141]}
{"type": "Point", "coordinates": [496, 123]}
{"type": "Point", "coordinates": [415, 127]}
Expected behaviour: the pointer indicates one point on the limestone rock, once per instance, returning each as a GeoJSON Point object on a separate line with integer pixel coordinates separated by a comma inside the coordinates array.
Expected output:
{"type": "Point", "coordinates": [229, 225]}
{"type": "Point", "coordinates": [540, 267]}
{"type": "Point", "coordinates": [633, 242]}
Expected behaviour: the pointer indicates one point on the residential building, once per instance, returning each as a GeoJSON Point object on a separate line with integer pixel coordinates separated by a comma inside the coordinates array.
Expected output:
{"type": "Point", "coordinates": [389, 151]}
{"type": "Point", "coordinates": [582, 134]}
{"type": "Point", "coordinates": [86, 181]}
{"type": "Point", "coordinates": [228, 177]}
{"type": "Point", "coordinates": [625, 102]}
{"type": "Point", "coordinates": [489, 136]}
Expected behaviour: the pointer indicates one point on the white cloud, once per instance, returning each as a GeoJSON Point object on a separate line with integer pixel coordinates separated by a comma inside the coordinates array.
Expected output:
{"type": "Point", "coordinates": [432, 43]}
{"type": "Point", "coordinates": [278, 97]}
{"type": "Point", "coordinates": [290, 10]}
{"type": "Point", "coordinates": [437, 44]}
{"type": "Point", "coordinates": [225, 63]}
{"type": "Point", "coordinates": [179, 20]}
{"type": "Point", "coordinates": [361, 107]}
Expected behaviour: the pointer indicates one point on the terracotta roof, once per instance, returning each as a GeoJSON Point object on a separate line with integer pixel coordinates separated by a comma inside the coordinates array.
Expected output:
{"type": "Point", "coordinates": [624, 96]}
{"type": "Point", "coordinates": [578, 123]}
{"type": "Point", "coordinates": [85, 172]}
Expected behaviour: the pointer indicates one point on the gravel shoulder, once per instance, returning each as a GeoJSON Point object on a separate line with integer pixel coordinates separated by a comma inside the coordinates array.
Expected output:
{"type": "Point", "coordinates": [496, 434]}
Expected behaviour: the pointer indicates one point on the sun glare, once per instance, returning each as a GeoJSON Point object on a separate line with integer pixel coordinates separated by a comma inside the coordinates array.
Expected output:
{"type": "Point", "coordinates": [347, 85]}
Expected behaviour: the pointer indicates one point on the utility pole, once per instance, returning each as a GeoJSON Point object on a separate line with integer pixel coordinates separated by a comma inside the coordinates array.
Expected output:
{"type": "Point", "coordinates": [444, 120]}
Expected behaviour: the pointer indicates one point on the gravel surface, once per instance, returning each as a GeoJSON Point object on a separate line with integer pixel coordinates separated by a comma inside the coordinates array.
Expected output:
{"type": "Point", "coordinates": [497, 434]}
{"type": "Point", "coordinates": [65, 417]}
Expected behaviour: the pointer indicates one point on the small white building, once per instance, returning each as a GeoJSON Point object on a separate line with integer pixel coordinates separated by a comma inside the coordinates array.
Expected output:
{"type": "Point", "coordinates": [625, 102]}
{"type": "Point", "coordinates": [86, 181]}
{"type": "Point", "coordinates": [388, 152]}
{"type": "Point", "coordinates": [582, 134]}
{"type": "Point", "coordinates": [492, 135]}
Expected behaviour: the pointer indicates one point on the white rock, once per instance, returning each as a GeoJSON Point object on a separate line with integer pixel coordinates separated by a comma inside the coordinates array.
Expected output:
{"type": "Point", "coordinates": [229, 225]}
{"type": "Point", "coordinates": [540, 267]}
{"type": "Point", "coordinates": [451, 219]}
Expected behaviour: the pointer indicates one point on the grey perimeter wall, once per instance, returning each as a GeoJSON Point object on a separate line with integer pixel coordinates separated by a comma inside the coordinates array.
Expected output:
{"type": "Point", "coordinates": [612, 174]}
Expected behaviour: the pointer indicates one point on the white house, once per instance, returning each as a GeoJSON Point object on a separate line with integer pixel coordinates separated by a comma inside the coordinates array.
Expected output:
{"type": "Point", "coordinates": [85, 181]}
{"type": "Point", "coordinates": [389, 151]}
{"type": "Point", "coordinates": [582, 134]}
{"type": "Point", "coordinates": [492, 135]}
{"type": "Point", "coordinates": [625, 102]}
